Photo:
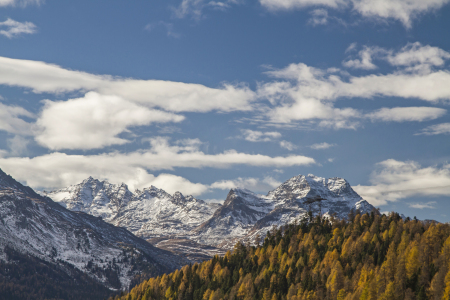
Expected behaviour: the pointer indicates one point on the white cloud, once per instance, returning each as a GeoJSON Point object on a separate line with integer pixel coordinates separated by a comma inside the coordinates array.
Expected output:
{"type": "Point", "coordinates": [11, 121]}
{"type": "Point", "coordinates": [22, 3]}
{"type": "Point", "coordinates": [401, 10]}
{"type": "Point", "coordinates": [287, 145]}
{"type": "Point", "coordinates": [41, 77]}
{"type": "Point", "coordinates": [402, 114]}
{"type": "Point", "coordinates": [259, 136]}
{"type": "Point", "coordinates": [14, 28]}
{"type": "Point", "coordinates": [364, 61]}
{"type": "Point", "coordinates": [415, 53]}
{"type": "Point", "coordinates": [396, 180]}
{"type": "Point", "coordinates": [443, 128]}
{"type": "Point", "coordinates": [93, 121]}
{"type": "Point", "coordinates": [322, 146]}
{"type": "Point", "coordinates": [58, 170]}
{"type": "Point", "coordinates": [429, 205]}
{"type": "Point", "coordinates": [318, 17]}
{"type": "Point", "coordinates": [253, 184]}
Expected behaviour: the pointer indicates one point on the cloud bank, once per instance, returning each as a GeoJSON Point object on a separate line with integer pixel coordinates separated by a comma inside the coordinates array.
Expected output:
{"type": "Point", "coordinates": [42, 77]}
{"type": "Point", "coordinates": [58, 170]}
{"type": "Point", "coordinates": [395, 180]}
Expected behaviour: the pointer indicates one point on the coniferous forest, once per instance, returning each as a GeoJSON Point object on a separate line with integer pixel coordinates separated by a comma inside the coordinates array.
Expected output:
{"type": "Point", "coordinates": [370, 256]}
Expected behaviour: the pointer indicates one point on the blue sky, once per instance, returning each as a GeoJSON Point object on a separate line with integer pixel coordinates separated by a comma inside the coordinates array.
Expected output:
{"type": "Point", "coordinates": [203, 96]}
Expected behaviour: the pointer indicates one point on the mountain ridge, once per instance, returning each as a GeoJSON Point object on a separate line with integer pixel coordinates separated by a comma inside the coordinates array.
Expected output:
{"type": "Point", "coordinates": [36, 226]}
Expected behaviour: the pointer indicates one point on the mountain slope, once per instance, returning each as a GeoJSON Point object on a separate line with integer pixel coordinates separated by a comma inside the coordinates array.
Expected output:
{"type": "Point", "coordinates": [73, 242]}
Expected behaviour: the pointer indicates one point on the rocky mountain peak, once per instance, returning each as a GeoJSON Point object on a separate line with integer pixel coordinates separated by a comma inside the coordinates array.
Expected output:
{"type": "Point", "coordinates": [10, 185]}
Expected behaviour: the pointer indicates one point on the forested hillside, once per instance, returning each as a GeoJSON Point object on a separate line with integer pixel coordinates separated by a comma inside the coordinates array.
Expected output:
{"type": "Point", "coordinates": [368, 257]}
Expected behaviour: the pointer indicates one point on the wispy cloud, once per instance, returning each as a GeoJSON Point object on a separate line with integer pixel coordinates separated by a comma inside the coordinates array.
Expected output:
{"type": "Point", "coordinates": [11, 120]}
{"type": "Point", "coordinates": [168, 27]}
{"type": "Point", "coordinates": [413, 55]}
{"type": "Point", "coordinates": [443, 128]}
{"type": "Point", "coordinates": [404, 11]}
{"type": "Point", "coordinates": [259, 136]}
{"type": "Point", "coordinates": [15, 28]}
{"type": "Point", "coordinates": [402, 114]}
{"type": "Point", "coordinates": [429, 205]}
{"type": "Point", "coordinates": [195, 8]}
{"type": "Point", "coordinates": [322, 146]}
{"type": "Point", "coordinates": [21, 3]}
{"type": "Point", "coordinates": [287, 145]}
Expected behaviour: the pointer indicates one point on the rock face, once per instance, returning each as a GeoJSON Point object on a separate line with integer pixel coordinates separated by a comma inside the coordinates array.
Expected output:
{"type": "Point", "coordinates": [35, 226]}
{"type": "Point", "coordinates": [154, 214]}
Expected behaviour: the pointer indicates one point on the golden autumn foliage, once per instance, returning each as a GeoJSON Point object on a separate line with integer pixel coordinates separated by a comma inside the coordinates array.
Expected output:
{"type": "Point", "coordinates": [369, 257]}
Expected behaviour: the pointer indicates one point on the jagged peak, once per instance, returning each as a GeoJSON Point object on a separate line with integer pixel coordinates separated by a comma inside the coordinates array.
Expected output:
{"type": "Point", "coordinates": [178, 194]}
{"type": "Point", "coordinates": [89, 179]}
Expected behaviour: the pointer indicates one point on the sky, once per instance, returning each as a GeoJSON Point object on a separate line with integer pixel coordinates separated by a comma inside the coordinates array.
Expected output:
{"type": "Point", "coordinates": [203, 96]}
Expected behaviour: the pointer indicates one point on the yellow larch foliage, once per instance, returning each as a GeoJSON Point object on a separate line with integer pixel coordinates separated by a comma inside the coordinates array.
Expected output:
{"type": "Point", "coordinates": [389, 294]}
{"type": "Point", "coordinates": [391, 262]}
{"type": "Point", "coordinates": [346, 248]}
{"type": "Point", "coordinates": [367, 237]}
{"type": "Point", "coordinates": [313, 257]}
{"type": "Point", "coordinates": [217, 269]}
{"type": "Point", "coordinates": [266, 294]}
{"type": "Point", "coordinates": [341, 294]}
{"type": "Point", "coordinates": [335, 281]}
{"type": "Point", "coordinates": [207, 294]}
{"type": "Point", "coordinates": [446, 294]}
{"type": "Point", "coordinates": [412, 261]}
{"type": "Point", "coordinates": [403, 244]}
{"type": "Point", "coordinates": [374, 239]}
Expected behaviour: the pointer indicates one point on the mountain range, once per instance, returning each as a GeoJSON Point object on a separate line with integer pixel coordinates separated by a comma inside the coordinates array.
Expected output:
{"type": "Point", "coordinates": [174, 220]}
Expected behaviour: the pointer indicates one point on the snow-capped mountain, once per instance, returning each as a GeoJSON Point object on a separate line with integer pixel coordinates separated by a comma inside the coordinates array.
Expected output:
{"type": "Point", "coordinates": [37, 227]}
{"type": "Point", "coordinates": [148, 213]}
{"type": "Point", "coordinates": [246, 215]}
{"type": "Point", "coordinates": [156, 215]}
